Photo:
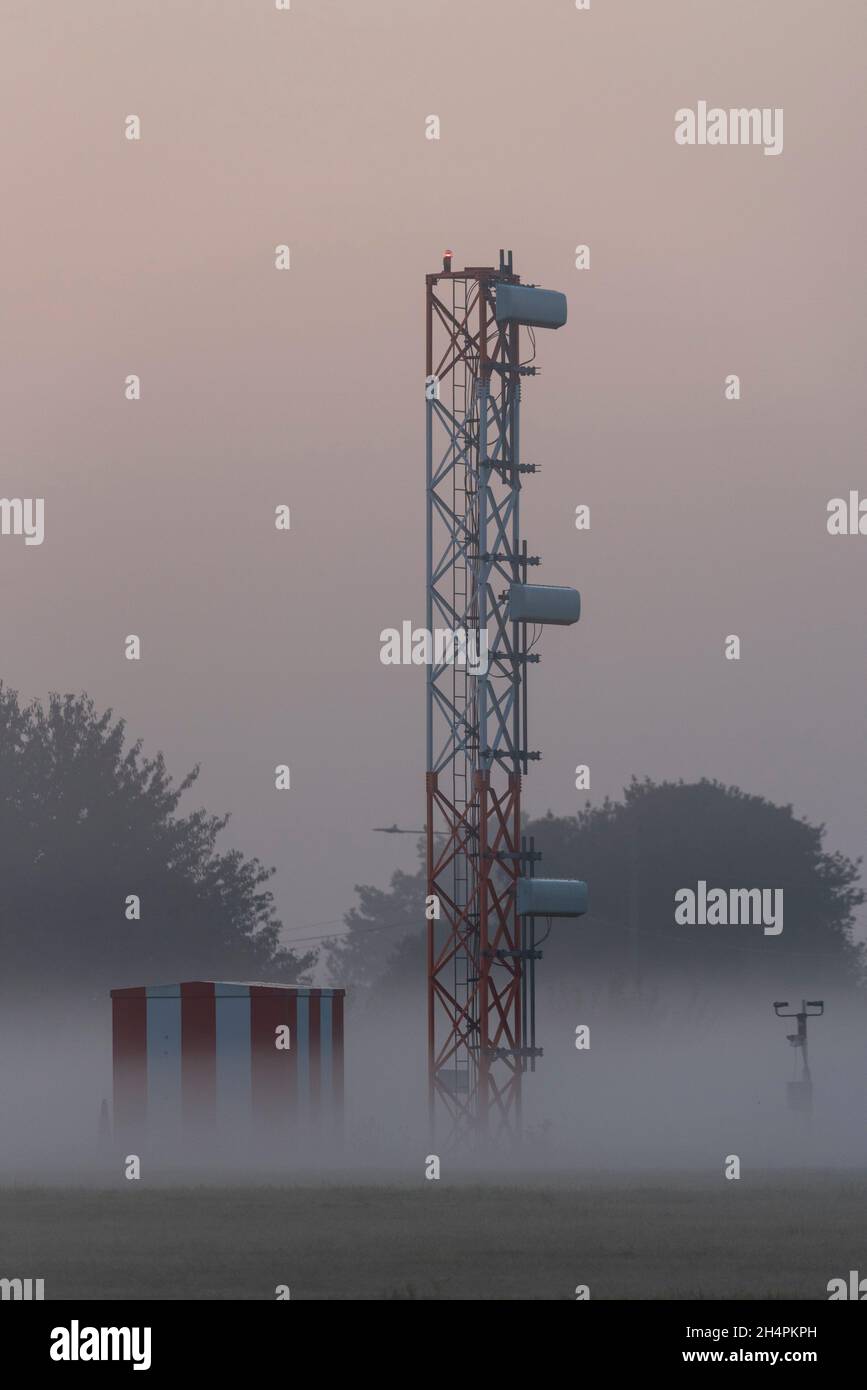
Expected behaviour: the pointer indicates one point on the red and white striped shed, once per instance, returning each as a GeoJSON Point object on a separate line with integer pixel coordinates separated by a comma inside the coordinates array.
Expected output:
{"type": "Point", "coordinates": [206, 1053]}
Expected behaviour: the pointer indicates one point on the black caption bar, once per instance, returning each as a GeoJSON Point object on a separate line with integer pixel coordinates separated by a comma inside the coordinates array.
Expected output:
{"type": "Point", "coordinates": [152, 1338]}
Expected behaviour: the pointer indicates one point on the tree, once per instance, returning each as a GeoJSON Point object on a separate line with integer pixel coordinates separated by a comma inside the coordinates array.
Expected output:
{"type": "Point", "coordinates": [635, 854]}
{"type": "Point", "coordinates": [376, 928]}
{"type": "Point", "coordinates": [87, 825]}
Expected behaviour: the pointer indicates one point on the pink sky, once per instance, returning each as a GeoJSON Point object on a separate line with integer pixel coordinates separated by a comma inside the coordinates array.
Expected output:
{"type": "Point", "coordinates": [306, 387]}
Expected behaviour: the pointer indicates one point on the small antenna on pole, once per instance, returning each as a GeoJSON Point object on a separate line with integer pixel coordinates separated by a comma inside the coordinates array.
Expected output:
{"type": "Point", "coordinates": [800, 1091]}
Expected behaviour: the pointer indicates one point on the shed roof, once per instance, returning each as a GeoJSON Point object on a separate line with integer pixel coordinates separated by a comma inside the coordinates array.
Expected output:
{"type": "Point", "coordinates": [217, 987]}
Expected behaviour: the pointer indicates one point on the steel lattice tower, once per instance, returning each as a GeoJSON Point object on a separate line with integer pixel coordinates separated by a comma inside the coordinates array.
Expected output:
{"type": "Point", "coordinates": [481, 951]}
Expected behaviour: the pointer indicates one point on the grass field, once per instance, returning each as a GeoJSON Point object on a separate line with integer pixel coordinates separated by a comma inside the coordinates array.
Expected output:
{"type": "Point", "coordinates": [777, 1235]}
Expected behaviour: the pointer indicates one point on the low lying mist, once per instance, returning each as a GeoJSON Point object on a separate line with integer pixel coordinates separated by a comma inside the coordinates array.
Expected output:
{"type": "Point", "coordinates": [673, 1084]}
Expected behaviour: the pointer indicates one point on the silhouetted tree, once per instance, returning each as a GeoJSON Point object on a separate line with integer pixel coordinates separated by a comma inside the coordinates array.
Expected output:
{"type": "Point", "coordinates": [635, 854]}
{"type": "Point", "coordinates": [376, 927]}
{"type": "Point", "coordinates": [86, 823]}
{"type": "Point", "coordinates": [662, 837]}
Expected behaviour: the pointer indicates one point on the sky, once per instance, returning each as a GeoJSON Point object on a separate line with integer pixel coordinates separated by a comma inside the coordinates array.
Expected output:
{"type": "Point", "coordinates": [304, 387]}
